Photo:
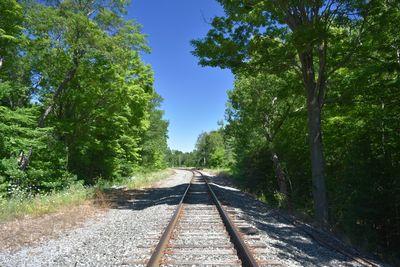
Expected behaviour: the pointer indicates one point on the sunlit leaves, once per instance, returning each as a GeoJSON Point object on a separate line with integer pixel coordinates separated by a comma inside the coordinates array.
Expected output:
{"type": "Point", "coordinates": [82, 59]}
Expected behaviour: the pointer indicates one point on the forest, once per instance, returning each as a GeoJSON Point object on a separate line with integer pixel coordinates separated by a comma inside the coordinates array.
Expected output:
{"type": "Point", "coordinates": [77, 103]}
{"type": "Point", "coordinates": [313, 118]}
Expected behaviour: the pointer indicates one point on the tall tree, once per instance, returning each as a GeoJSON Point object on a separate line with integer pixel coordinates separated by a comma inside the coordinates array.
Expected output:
{"type": "Point", "coordinates": [262, 104]}
{"type": "Point", "coordinates": [211, 149]}
{"type": "Point", "coordinates": [91, 83]}
{"type": "Point", "coordinates": [154, 142]}
{"type": "Point", "coordinates": [274, 36]}
{"type": "Point", "coordinates": [13, 78]}
{"type": "Point", "coordinates": [74, 69]}
{"type": "Point", "coordinates": [10, 29]}
{"type": "Point", "coordinates": [67, 34]}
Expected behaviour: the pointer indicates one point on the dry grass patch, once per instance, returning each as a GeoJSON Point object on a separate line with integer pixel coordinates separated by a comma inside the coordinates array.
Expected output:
{"type": "Point", "coordinates": [143, 180]}
{"type": "Point", "coordinates": [24, 221]}
{"type": "Point", "coordinates": [120, 193]}
{"type": "Point", "coordinates": [32, 228]}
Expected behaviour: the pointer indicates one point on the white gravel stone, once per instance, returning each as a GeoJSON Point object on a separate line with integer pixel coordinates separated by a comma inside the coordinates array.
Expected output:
{"type": "Point", "coordinates": [123, 236]}
{"type": "Point", "coordinates": [126, 236]}
{"type": "Point", "coordinates": [279, 241]}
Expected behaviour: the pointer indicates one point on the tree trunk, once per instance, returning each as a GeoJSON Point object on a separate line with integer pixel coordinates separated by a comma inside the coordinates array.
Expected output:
{"type": "Point", "coordinates": [68, 77]}
{"type": "Point", "coordinates": [280, 177]}
{"type": "Point", "coordinates": [315, 94]}
{"type": "Point", "coordinates": [398, 56]}
{"type": "Point", "coordinates": [317, 161]}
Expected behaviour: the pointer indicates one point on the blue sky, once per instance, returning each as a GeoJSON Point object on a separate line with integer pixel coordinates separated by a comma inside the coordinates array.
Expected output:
{"type": "Point", "coordinates": [194, 96]}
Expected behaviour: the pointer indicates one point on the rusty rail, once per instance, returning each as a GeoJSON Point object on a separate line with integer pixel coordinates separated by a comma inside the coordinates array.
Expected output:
{"type": "Point", "coordinates": [243, 251]}
{"type": "Point", "coordinates": [158, 253]}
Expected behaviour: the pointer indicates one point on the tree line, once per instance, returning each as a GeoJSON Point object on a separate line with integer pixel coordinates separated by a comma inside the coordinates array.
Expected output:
{"type": "Point", "coordinates": [313, 118]}
{"type": "Point", "coordinates": [211, 151]}
{"type": "Point", "coordinates": [76, 100]}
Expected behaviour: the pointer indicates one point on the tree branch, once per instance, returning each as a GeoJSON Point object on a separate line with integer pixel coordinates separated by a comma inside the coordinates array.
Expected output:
{"type": "Point", "coordinates": [61, 87]}
{"type": "Point", "coordinates": [354, 47]}
{"type": "Point", "coordinates": [321, 88]}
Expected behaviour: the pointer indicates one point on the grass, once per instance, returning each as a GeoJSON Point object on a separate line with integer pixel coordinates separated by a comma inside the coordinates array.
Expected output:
{"type": "Point", "coordinates": [139, 180]}
{"type": "Point", "coordinates": [20, 205]}
{"type": "Point", "coordinates": [147, 179]}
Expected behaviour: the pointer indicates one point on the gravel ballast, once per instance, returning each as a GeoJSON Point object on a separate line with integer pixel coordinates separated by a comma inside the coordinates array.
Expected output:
{"type": "Point", "coordinates": [126, 234]}
{"type": "Point", "coordinates": [283, 243]}
{"type": "Point", "coordinates": [121, 236]}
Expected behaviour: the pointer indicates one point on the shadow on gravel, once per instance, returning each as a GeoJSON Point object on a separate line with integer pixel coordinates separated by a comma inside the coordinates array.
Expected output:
{"type": "Point", "coordinates": [291, 241]}
{"type": "Point", "coordinates": [139, 199]}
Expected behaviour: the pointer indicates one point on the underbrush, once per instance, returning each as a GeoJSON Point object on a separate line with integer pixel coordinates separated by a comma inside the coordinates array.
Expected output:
{"type": "Point", "coordinates": [218, 171]}
{"type": "Point", "coordinates": [141, 179]}
{"type": "Point", "coordinates": [22, 204]}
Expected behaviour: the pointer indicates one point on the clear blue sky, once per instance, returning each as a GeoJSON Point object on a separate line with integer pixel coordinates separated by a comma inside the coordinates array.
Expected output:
{"type": "Point", "coordinates": [194, 96]}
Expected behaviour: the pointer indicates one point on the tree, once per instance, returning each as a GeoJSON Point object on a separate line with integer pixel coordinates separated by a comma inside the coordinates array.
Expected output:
{"type": "Point", "coordinates": [154, 142]}
{"type": "Point", "coordinates": [10, 30]}
{"type": "Point", "coordinates": [262, 104]}
{"type": "Point", "coordinates": [276, 36]}
{"type": "Point", "coordinates": [360, 126]}
{"type": "Point", "coordinates": [176, 158]}
{"type": "Point", "coordinates": [361, 140]}
{"type": "Point", "coordinates": [25, 163]}
{"type": "Point", "coordinates": [13, 79]}
{"type": "Point", "coordinates": [66, 35]}
{"type": "Point", "coordinates": [211, 149]}
{"type": "Point", "coordinates": [92, 85]}
{"type": "Point", "coordinates": [76, 100]}
{"type": "Point", "coordinates": [19, 136]}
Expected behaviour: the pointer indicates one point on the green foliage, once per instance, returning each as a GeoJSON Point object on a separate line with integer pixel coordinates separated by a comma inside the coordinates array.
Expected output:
{"type": "Point", "coordinates": [93, 87]}
{"type": "Point", "coordinates": [260, 113]}
{"type": "Point", "coordinates": [140, 179]}
{"type": "Point", "coordinates": [13, 92]}
{"type": "Point", "coordinates": [20, 205]}
{"type": "Point", "coordinates": [75, 68]}
{"type": "Point", "coordinates": [177, 158]}
{"type": "Point", "coordinates": [362, 138]}
{"type": "Point", "coordinates": [211, 150]}
{"type": "Point", "coordinates": [10, 26]}
{"type": "Point", "coordinates": [289, 59]}
{"type": "Point", "coordinates": [154, 142]}
{"type": "Point", "coordinates": [46, 171]}
{"type": "Point", "coordinates": [91, 77]}
{"type": "Point", "coordinates": [217, 158]}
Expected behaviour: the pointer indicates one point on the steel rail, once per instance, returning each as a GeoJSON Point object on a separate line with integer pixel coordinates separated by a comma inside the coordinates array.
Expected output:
{"type": "Point", "coordinates": [250, 261]}
{"type": "Point", "coordinates": [158, 253]}
{"type": "Point", "coordinates": [242, 249]}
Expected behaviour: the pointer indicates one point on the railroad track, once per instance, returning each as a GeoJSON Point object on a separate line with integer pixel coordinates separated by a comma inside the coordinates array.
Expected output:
{"type": "Point", "coordinates": [204, 232]}
{"type": "Point", "coordinates": [201, 233]}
